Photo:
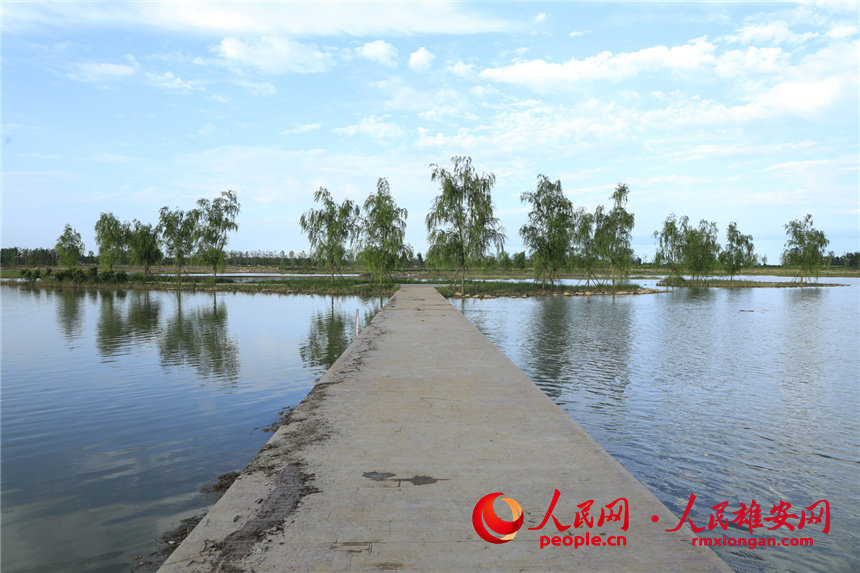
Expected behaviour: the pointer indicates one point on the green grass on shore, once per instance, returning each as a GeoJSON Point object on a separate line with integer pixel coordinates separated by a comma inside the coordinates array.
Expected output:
{"type": "Point", "coordinates": [520, 289]}
{"type": "Point", "coordinates": [727, 283]}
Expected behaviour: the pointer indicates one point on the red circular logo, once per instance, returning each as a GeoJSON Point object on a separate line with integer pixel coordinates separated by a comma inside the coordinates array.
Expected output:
{"type": "Point", "coordinates": [484, 519]}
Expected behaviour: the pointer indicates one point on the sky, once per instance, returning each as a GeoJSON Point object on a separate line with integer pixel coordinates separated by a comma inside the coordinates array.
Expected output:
{"type": "Point", "coordinates": [720, 111]}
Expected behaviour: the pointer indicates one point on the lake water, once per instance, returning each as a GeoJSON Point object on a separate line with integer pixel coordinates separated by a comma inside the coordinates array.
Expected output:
{"type": "Point", "coordinates": [118, 407]}
{"type": "Point", "coordinates": [731, 395]}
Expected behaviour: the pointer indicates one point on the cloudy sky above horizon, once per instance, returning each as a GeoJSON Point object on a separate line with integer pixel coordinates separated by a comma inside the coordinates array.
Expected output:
{"type": "Point", "coordinates": [726, 112]}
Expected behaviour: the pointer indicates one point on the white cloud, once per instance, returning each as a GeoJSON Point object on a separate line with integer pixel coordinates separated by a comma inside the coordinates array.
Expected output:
{"type": "Point", "coordinates": [539, 18]}
{"type": "Point", "coordinates": [575, 34]}
{"type": "Point", "coordinates": [100, 72]}
{"type": "Point", "coordinates": [170, 82]}
{"type": "Point", "coordinates": [259, 88]}
{"type": "Point", "coordinates": [462, 70]}
{"type": "Point", "coordinates": [379, 51]}
{"type": "Point", "coordinates": [304, 128]}
{"type": "Point", "coordinates": [606, 65]}
{"type": "Point", "coordinates": [839, 31]}
{"type": "Point", "coordinates": [793, 168]}
{"type": "Point", "coordinates": [770, 32]}
{"type": "Point", "coordinates": [752, 60]}
{"type": "Point", "coordinates": [274, 54]}
{"type": "Point", "coordinates": [265, 18]}
{"type": "Point", "coordinates": [421, 59]}
{"type": "Point", "coordinates": [373, 126]}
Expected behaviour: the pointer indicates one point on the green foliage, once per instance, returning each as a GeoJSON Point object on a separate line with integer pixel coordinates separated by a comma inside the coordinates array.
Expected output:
{"type": "Point", "coordinates": [670, 246]}
{"type": "Point", "coordinates": [804, 248]}
{"type": "Point", "coordinates": [738, 252]}
{"type": "Point", "coordinates": [178, 231]}
{"type": "Point", "coordinates": [30, 275]}
{"type": "Point", "coordinates": [137, 278]}
{"type": "Point", "coordinates": [111, 238]}
{"type": "Point", "coordinates": [217, 218]}
{"type": "Point", "coordinates": [519, 261]}
{"type": "Point", "coordinates": [460, 225]}
{"type": "Point", "coordinates": [383, 227]}
{"type": "Point", "coordinates": [613, 234]}
{"type": "Point", "coordinates": [700, 248]}
{"type": "Point", "coordinates": [330, 229]}
{"type": "Point", "coordinates": [550, 228]}
{"type": "Point", "coordinates": [69, 247]}
{"type": "Point", "coordinates": [583, 248]}
{"type": "Point", "coordinates": [143, 244]}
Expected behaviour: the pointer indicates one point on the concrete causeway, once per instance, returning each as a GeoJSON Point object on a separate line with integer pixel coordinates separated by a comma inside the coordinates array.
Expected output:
{"type": "Point", "coordinates": [381, 466]}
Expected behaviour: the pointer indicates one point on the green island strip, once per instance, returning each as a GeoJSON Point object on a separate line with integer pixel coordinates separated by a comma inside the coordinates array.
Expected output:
{"type": "Point", "coordinates": [364, 286]}
{"type": "Point", "coordinates": [676, 282]}
{"type": "Point", "coordinates": [493, 289]}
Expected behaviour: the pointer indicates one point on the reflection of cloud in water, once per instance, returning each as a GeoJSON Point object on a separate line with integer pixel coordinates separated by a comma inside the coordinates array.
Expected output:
{"type": "Point", "coordinates": [199, 337]}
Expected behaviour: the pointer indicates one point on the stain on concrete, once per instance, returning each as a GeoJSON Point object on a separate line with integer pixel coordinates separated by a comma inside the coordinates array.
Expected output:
{"type": "Point", "coordinates": [292, 485]}
{"type": "Point", "coordinates": [388, 476]}
{"type": "Point", "coordinates": [377, 475]}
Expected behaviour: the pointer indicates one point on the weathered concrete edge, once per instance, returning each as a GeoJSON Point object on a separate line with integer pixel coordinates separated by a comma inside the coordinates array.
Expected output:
{"type": "Point", "coordinates": [239, 508]}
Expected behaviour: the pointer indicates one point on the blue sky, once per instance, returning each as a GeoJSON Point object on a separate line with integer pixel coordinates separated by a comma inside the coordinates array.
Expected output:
{"type": "Point", "coordinates": [727, 112]}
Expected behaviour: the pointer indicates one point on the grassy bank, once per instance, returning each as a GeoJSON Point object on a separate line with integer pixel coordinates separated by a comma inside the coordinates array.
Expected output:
{"type": "Point", "coordinates": [349, 286]}
{"type": "Point", "coordinates": [726, 283]}
{"type": "Point", "coordinates": [485, 289]}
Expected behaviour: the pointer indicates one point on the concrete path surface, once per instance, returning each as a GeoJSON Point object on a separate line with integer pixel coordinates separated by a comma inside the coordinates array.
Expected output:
{"type": "Point", "coordinates": [380, 469]}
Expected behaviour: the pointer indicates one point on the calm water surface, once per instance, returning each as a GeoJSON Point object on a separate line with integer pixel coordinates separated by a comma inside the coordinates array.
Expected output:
{"type": "Point", "coordinates": [731, 395]}
{"type": "Point", "coordinates": [118, 407]}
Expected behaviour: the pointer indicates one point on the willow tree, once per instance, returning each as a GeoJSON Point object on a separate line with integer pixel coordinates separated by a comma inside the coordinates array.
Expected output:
{"type": "Point", "coordinates": [330, 229]}
{"type": "Point", "coordinates": [670, 244]}
{"type": "Point", "coordinates": [613, 234]}
{"type": "Point", "coordinates": [460, 225]}
{"type": "Point", "coordinates": [217, 218]}
{"type": "Point", "coordinates": [804, 248]}
{"type": "Point", "coordinates": [69, 247]}
{"type": "Point", "coordinates": [550, 228]}
{"type": "Point", "coordinates": [738, 252]}
{"type": "Point", "coordinates": [383, 227]}
{"type": "Point", "coordinates": [700, 248]}
{"type": "Point", "coordinates": [583, 247]}
{"type": "Point", "coordinates": [143, 245]}
{"type": "Point", "coordinates": [178, 230]}
{"type": "Point", "coordinates": [111, 240]}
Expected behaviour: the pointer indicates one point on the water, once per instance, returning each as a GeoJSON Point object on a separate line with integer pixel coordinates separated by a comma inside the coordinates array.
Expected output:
{"type": "Point", "coordinates": [731, 395]}
{"type": "Point", "coordinates": [118, 406]}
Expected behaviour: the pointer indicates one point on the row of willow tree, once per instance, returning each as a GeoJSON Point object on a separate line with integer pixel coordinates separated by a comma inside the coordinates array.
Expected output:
{"type": "Point", "coordinates": [199, 234]}
{"type": "Point", "coordinates": [462, 229]}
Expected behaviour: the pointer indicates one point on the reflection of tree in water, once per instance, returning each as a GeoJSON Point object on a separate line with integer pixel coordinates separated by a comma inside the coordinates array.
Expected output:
{"type": "Point", "coordinates": [549, 339]}
{"type": "Point", "coordinates": [331, 331]}
{"type": "Point", "coordinates": [120, 325]}
{"type": "Point", "coordinates": [69, 312]}
{"type": "Point", "coordinates": [581, 345]}
{"type": "Point", "coordinates": [328, 337]}
{"type": "Point", "coordinates": [199, 337]}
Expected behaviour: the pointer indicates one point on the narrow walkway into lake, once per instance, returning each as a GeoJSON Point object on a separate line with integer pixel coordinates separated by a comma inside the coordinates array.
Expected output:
{"type": "Point", "coordinates": [382, 465]}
